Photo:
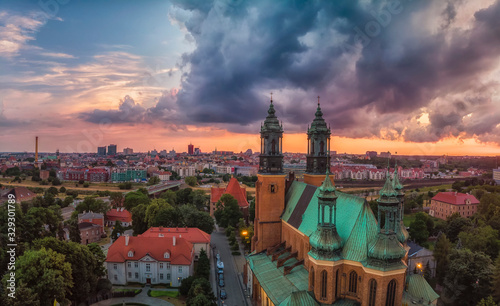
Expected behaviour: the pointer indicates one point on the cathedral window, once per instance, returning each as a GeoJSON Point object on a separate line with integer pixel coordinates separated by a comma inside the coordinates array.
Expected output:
{"type": "Point", "coordinates": [353, 282]}
{"type": "Point", "coordinates": [391, 293]}
{"type": "Point", "coordinates": [324, 281]}
{"type": "Point", "coordinates": [373, 292]}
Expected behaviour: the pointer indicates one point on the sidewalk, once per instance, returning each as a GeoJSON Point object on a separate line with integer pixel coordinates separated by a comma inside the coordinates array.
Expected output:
{"type": "Point", "coordinates": [240, 263]}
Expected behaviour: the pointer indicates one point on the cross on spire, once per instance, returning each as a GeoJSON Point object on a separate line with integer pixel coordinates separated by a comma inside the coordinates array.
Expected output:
{"type": "Point", "coordinates": [318, 101]}
{"type": "Point", "coordinates": [271, 97]}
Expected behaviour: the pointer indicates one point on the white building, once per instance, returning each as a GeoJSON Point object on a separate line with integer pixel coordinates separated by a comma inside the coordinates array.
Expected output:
{"type": "Point", "coordinates": [151, 260]}
{"type": "Point", "coordinates": [163, 175]}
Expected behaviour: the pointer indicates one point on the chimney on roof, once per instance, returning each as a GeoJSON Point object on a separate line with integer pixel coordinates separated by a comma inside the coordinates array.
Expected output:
{"type": "Point", "coordinates": [126, 239]}
{"type": "Point", "coordinates": [173, 241]}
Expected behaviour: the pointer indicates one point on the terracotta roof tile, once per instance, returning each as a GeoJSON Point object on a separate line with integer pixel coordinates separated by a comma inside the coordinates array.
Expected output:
{"type": "Point", "coordinates": [455, 198]}
{"type": "Point", "coordinates": [234, 189]}
{"type": "Point", "coordinates": [180, 254]}
{"type": "Point", "coordinates": [191, 234]}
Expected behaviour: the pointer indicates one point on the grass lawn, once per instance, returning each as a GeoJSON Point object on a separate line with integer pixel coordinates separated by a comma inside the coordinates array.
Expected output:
{"type": "Point", "coordinates": [137, 291]}
{"type": "Point", "coordinates": [178, 301]}
{"type": "Point", "coordinates": [432, 188]}
{"type": "Point", "coordinates": [157, 293]}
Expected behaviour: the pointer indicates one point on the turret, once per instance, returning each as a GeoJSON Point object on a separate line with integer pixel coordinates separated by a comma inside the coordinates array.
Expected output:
{"type": "Point", "coordinates": [271, 141]}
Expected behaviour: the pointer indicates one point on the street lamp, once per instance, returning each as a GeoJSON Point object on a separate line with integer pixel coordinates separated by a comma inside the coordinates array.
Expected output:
{"type": "Point", "coordinates": [244, 233]}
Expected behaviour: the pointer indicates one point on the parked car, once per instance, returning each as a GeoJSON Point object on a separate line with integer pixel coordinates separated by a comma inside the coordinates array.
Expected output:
{"type": "Point", "coordinates": [221, 283]}
{"type": "Point", "coordinates": [221, 276]}
{"type": "Point", "coordinates": [223, 294]}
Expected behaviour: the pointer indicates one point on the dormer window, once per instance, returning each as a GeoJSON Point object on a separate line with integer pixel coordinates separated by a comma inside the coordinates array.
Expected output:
{"type": "Point", "coordinates": [166, 255]}
{"type": "Point", "coordinates": [130, 253]}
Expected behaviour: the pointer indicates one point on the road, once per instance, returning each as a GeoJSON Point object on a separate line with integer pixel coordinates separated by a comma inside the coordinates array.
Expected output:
{"type": "Point", "coordinates": [232, 284]}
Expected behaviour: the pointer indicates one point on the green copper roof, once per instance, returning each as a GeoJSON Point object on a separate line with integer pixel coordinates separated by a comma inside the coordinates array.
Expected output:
{"type": "Point", "coordinates": [326, 243]}
{"type": "Point", "coordinates": [300, 298]}
{"type": "Point", "coordinates": [387, 193]}
{"type": "Point", "coordinates": [318, 125]}
{"type": "Point", "coordinates": [419, 290]}
{"type": "Point", "coordinates": [401, 232]}
{"type": "Point", "coordinates": [277, 285]}
{"type": "Point", "coordinates": [327, 190]}
{"type": "Point", "coordinates": [385, 247]}
{"type": "Point", "coordinates": [271, 124]}
{"type": "Point", "coordinates": [396, 184]}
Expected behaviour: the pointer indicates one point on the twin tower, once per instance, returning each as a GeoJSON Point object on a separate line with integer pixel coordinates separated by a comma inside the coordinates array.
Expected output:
{"type": "Point", "coordinates": [271, 183]}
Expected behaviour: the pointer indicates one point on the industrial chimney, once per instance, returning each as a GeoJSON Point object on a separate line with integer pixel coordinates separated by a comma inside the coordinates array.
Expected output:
{"type": "Point", "coordinates": [36, 151]}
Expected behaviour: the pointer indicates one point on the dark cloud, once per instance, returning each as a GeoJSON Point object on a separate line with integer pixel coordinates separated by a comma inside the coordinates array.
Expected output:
{"type": "Point", "coordinates": [128, 112]}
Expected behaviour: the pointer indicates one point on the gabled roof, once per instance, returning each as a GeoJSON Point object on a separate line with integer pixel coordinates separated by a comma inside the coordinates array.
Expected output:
{"type": "Point", "coordinates": [456, 198]}
{"type": "Point", "coordinates": [119, 214]}
{"type": "Point", "coordinates": [233, 188]}
{"type": "Point", "coordinates": [419, 290]}
{"type": "Point", "coordinates": [22, 193]}
{"type": "Point", "coordinates": [90, 215]}
{"type": "Point", "coordinates": [191, 234]}
{"type": "Point", "coordinates": [155, 247]}
{"type": "Point", "coordinates": [85, 225]}
{"type": "Point", "coordinates": [414, 248]}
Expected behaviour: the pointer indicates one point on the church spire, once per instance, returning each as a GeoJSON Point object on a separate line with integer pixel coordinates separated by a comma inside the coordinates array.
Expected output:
{"type": "Point", "coordinates": [318, 137]}
{"type": "Point", "coordinates": [271, 135]}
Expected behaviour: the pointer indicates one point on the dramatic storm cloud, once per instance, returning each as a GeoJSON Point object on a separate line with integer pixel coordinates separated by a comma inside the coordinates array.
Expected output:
{"type": "Point", "coordinates": [378, 66]}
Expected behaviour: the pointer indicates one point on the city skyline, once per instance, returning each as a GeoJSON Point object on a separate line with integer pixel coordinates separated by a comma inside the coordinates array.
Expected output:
{"type": "Point", "coordinates": [93, 73]}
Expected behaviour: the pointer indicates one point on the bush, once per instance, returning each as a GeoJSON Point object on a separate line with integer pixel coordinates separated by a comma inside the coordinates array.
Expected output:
{"type": "Point", "coordinates": [86, 185]}
{"type": "Point", "coordinates": [81, 182]}
{"type": "Point", "coordinates": [56, 182]}
{"type": "Point", "coordinates": [235, 247]}
{"type": "Point", "coordinates": [229, 230]}
{"type": "Point", "coordinates": [62, 189]}
{"type": "Point", "coordinates": [127, 185]}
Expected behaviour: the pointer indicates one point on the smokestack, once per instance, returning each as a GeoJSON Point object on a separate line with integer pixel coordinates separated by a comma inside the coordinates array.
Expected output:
{"type": "Point", "coordinates": [126, 239]}
{"type": "Point", "coordinates": [36, 151]}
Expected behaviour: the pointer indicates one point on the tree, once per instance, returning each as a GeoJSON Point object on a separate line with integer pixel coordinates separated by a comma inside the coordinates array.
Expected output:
{"type": "Point", "coordinates": [488, 200]}
{"type": "Point", "coordinates": [92, 204]}
{"type": "Point", "coordinates": [74, 231]}
{"type": "Point", "coordinates": [251, 211]}
{"type": "Point", "coordinates": [203, 267]}
{"type": "Point", "coordinates": [200, 199]}
{"type": "Point", "coordinates": [24, 296]}
{"type": "Point", "coordinates": [186, 285]}
{"type": "Point", "coordinates": [154, 180]}
{"type": "Point", "coordinates": [192, 217]}
{"type": "Point", "coordinates": [85, 267]}
{"type": "Point", "coordinates": [487, 302]}
{"type": "Point", "coordinates": [139, 222]}
{"type": "Point", "coordinates": [53, 191]}
{"type": "Point", "coordinates": [201, 286]}
{"type": "Point", "coordinates": [184, 196]}
{"type": "Point", "coordinates": [227, 211]}
{"type": "Point", "coordinates": [455, 224]}
{"type": "Point", "coordinates": [226, 177]}
{"type": "Point", "coordinates": [86, 185]}
{"type": "Point", "coordinates": [418, 231]}
{"type": "Point", "coordinates": [441, 255]}
{"type": "Point", "coordinates": [62, 189]}
{"type": "Point", "coordinates": [117, 230]}
{"type": "Point", "coordinates": [56, 182]}
{"type": "Point", "coordinates": [46, 273]}
{"type": "Point", "coordinates": [100, 258]}
{"type": "Point", "coordinates": [116, 199]}
{"type": "Point", "coordinates": [468, 277]}
{"type": "Point", "coordinates": [496, 280]}
{"type": "Point", "coordinates": [169, 196]}
{"type": "Point", "coordinates": [481, 239]}
{"type": "Point", "coordinates": [191, 181]}
{"type": "Point", "coordinates": [135, 198]}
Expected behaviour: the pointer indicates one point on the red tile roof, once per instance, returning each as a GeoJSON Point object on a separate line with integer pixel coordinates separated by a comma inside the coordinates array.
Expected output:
{"type": "Point", "coordinates": [122, 215]}
{"type": "Point", "coordinates": [191, 234]}
{"type": "Point", "coordinates": [234, 189]}
{"type": "Point", "coordinates": [455, 198]}
{"type": "Point", "coordinates": [180, 254]}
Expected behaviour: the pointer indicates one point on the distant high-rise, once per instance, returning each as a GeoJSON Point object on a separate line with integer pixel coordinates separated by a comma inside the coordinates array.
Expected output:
{"type": "Point", "coordinates": [496, 175]}
{"type": "Point", "coordinates": [128, 151]}
{"type": "Point", "coordinates": [190, 149]}
{"type": "Point", "coordinates": [112, 149]}
{"type": "Point", "coordinates": [101, 151]}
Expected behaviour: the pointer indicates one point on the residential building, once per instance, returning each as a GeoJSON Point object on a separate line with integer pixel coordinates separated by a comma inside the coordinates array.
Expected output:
{"type": "Point", "coordinates": [163, 175]}
{"type": "Point", "coordinates": [184, 171]}
{"type": "Point", "coordinates": [196, 236]}
{"type": "Point", "coordinates": [319, 246]}
{"type": "Point", "coordinates": [89, 232]}
{"type": "Point", "coordinates": [128, 151]}
{"type": "Point", "coordinates": [118, 214]}
{"type": "Point", "coordinates": [496, 175]}
{"type": "Point", "coordinates": [84, 174]}
{"type": "Point", "coordinates": [44, 174]}
{"type": "Point", "coordinates": [101, 151]}
{"type": "Point", "coordinates": [112, 150]}
{"type": "Point", "coordinates": [233, 188]}
{"type": "Point", "coordinates": [21, 194]}
{"type": "Point", "coordinates": [127, 175]}
{"type": "Point", "coordinates": [150, 260]}
{"type": "Point", "coordinates": [91, 217]}
{"type": "Point", "coordinates": [419, 257]}
{"type": "Point", "coordinates": [444, 204]}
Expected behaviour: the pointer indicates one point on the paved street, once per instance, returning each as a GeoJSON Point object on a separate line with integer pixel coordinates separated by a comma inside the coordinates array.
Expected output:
{"type": "Point", "coordinates": [232, 284]}
{"type": "Point", "coordinates": [142, 298]}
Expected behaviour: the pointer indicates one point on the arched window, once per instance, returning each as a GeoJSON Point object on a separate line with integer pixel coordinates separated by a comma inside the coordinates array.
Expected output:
{"type": "Point", "coordinates": [312, 279]}
{"type": "Point", "coordinates": [353, 282]}
{"type": "Point", "coordinates": [312, 146]}
{"type": "Point", "coordinates": [391, 293]}
{"type": "Point", "coordinates": [273, 146]}
{"type": "Point", "coordinates": [166, 255]}
{"type": "Point", "coordinates": [321, 147]}
{"type": "Point", "coordinates": [373, 292]}
{"type": "Point", "coordinates": [324, 281]}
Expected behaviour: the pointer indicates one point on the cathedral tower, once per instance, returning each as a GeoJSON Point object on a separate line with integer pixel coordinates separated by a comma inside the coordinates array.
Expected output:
{"type": "Point", "coordinates": [318, 148]}
{"type": "Point", "coordinates": [270, 186]}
